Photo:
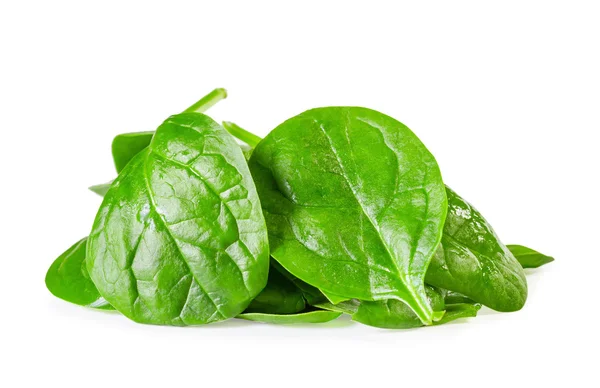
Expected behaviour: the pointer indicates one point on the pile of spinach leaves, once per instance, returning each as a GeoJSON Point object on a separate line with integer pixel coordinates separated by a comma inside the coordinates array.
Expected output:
{"type": "Point", "coordinates": [339, 210]}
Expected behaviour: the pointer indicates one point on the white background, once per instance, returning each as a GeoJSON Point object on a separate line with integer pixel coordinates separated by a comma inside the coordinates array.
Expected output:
{"type": "Point", "coordinates": [506, 97]}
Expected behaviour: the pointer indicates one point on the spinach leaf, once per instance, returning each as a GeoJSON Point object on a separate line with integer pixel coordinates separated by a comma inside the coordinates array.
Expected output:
{"type": "Point", "coordinates": [333, 298]}
{"type": "Point", "coordinates": [475, 230]}
{"type": "Point", "coordinates": [315, 316]}
{"type": "Point", "coordinates": [393, 314]}
{"type": "Point", "coordinates": [389, 313]}
{"type": "Point", "coordinates": [354, 203]}
{"type": "Point", "coordinates": [280, 296]}
{"type": "Point", "coordinates": [311, 294]}
{"type": "Point", "coordinates": [101, 189]}
{"type": "Point", "coordinates": [528, 257]}
{"type": "Point", "coordinates": [126, 145]}
{"type": "Point", "coordinates": [68, 279]}
{"type": "Point", "coordinates": [452, 297]}
{"type": "Point", "coordinates": [471, 260]}
{"type": "Point", "coordinates": [180, 238]}
{"type": "Point", "coordinates": [459, 310]}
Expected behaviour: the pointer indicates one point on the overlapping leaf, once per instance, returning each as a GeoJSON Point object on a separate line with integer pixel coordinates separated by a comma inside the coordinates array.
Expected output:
{"type": "Point", "coordinates": [472, 260]}
{"type": "Point", "coordinates": [180, 238]}
{"type": "Point", "coordinates": [354, 204]}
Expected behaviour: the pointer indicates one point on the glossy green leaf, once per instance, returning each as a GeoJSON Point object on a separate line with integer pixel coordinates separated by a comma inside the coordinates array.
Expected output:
{"type": "Point", "coordinates": [528, 257]}
{"type": "Point", "coordinates": [68, 279]}
{"type": "Point", "coordinates": [280, 296]}
{"type": "Point", "coordinates": [180, 238]}
{"type": "Point", "coordinates": [354, 203]}
{"type": "Point", "coordinates": [316, 316]}
{"type": "Point", "coordinates": [471, 260]}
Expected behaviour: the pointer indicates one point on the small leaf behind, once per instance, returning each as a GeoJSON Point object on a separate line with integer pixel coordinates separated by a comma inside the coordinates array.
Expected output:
{"type": "Point", "coordinates": [316, 316]}
{"type": "Point", "coordinates": [68, 279]}
{"type": "Point", "coordinates": [127, 145]}
{"type": "Point", "coordinates": [472, 260]}
{"type": "Point", "coordinates": [528, 257]}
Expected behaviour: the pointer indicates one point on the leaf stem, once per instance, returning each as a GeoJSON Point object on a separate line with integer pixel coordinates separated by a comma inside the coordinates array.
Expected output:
{"type": "Point", "coordinates": [236, 131]}
{"type": "Point", "coordinates": [207, 101]}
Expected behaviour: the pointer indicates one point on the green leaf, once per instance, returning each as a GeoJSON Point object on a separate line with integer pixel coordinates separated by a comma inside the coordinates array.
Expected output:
{"type": "Point", "coordinates": [180, 238]}
{"type": "Point", "coordinates": [316, 316]}
{"type": "Point", "coordinates": [471, 260]}
{"type": "Point", "coordinates": [101, 189]}
{"type": "Point", "coordinates": [452, 297]}
{"type": "Point", "coordinates": [280, 296]}
{"type": "Point", "coordinates": [388, 314]}
{"type": "Point", "coordinates": [457, 311]}
{"type": "Point", "coordinates": [333, 298]}
{"type": "Point", "coordinates": [311, 294]}
{"type": "Point", "coordinates": [354, 203]}
{"type": "Point", "coordinates": [68, 279]}
{"type": "Point", "coordinates": [393, 314]}
{"type": "Point", "coordinates": [528, 257]}
{"type": "Point", "coordinates": [127, 145]}
{"type": "Point", "coordinates": [349, 307]}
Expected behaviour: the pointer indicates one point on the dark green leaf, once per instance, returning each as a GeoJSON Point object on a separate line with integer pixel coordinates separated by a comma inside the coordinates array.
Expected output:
{"type": "Point", "coordinates": [316, 316]}
{"type": "Point", "coordinates": [68, 279]}
{"type": "Point", "coordinates": [311, 294]}
{"type": "Point", "coordinates": [354, 203]}
{"type": "Point", "coordinates": [280, 296]}
{"type": "Point", "coordinates": [528, 257]}
{"type": "Point", "coordinates": [471, 260]}
{"type": "Point", "coordinates": [180, 238]}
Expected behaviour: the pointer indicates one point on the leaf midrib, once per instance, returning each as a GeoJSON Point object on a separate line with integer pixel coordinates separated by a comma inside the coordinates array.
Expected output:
{"type": "Point", "coordinates": [351, 187]}
{"type": "Point", "coordinates": [168, 231]}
